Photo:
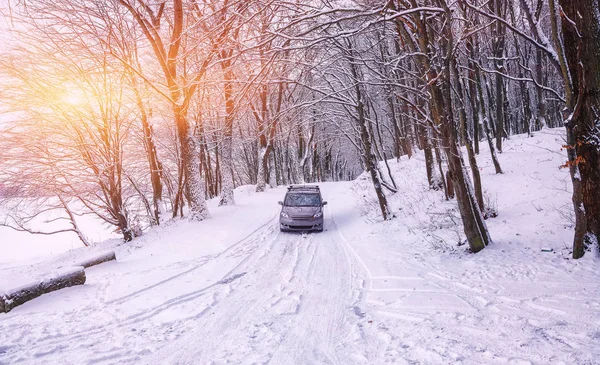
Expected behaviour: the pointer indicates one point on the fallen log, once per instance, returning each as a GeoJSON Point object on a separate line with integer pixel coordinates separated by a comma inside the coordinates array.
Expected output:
{"type": "Point", "coordinates": [63, 278]}
{"type": "Point", "coordinates": [97, 259]}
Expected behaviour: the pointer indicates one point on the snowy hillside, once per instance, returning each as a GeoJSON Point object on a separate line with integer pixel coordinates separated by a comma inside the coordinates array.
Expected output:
{"type": "Point", "coordinates": [511, 303]}
{"type": "Point", "coordinates": [235, 290]}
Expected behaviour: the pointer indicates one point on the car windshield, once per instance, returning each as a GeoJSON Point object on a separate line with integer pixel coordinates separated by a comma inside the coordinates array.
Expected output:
{"type": "Point", "coordinates": [302, 200]}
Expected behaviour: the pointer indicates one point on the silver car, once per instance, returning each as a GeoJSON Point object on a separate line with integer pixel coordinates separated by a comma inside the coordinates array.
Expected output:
{"type": "Point", "coordinates": [302, 209]}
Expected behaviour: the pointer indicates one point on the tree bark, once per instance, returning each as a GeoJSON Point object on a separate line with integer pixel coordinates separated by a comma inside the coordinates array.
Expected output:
{"type": "Point", "coordinates": [227, 196]}
{"type": "Point", "coordinates": [194, 186]}
{"type": "Point", "coordinates": [462, 115]}
{"type": "Point", "coordinates": [484, 122]}
{"type": "Point", "coordinates": [473, 223]}
{"type": "Point", "coordinates": [583, 123]}
{"type": "Point", "coordinates": [153, 161]}
{"type": "Point", "coordinates": [498, 35]}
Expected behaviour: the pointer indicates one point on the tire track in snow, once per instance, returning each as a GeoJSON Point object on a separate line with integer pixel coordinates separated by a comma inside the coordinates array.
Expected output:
{"type": "Point", "coordinates": [294, 305]}
{"type": "Point", "coordinates": [369, 340]}
{"type": "Point", "coordinates": [248, 240]}
{"type": "Point", "coordinates": [454, 330]}
{"type": "Point", "coordinates": [108, 324]}
{"type": "Point", "coordinates": [246, 297]}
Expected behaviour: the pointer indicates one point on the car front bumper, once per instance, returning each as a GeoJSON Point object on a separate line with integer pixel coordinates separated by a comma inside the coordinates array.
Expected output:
{"type": "Point", "coordinates": [302, 224]}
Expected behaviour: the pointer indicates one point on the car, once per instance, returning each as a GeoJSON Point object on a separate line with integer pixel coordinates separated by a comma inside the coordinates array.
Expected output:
{"type": "Point", "coordinates": [302, 209]}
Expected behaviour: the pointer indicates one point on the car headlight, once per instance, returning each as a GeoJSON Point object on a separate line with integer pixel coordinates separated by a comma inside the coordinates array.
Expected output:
{"type": "Point", "coordinates": [284, 214]}
{"type": "Point", "coordinates": [318, 215]}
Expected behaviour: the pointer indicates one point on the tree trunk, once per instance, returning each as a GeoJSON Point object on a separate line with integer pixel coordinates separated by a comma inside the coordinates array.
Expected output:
{"type": "Point", "coordinates": [473, 96]}
{"type": "Point", "coordinates": [194, 187]}
{"type": "Point", "coordinates": [227, 196]}
{"type": "Point", "coordinates": [525, 98]}
{"type": "Point", "coordinates": [583, 125]}
{"type": "Point", "coordinates": [153, 161]}
{"type": "Point", "coordinates": [272, 168]}
{"type": "Point", "coordinates": [484, 122]}
{"type": "Point", "coordinates": [441, 182]}
{"type": "Point", "coordinates": [303, 153]}
{"type": "Point", "coordinates": [541, 101]}
{"type": "Point", "coordinates": [450, 185]}
{"type": "Point", "coordinates": [474, 226]}
{"type": "Point", "coordinates": [462, 115]}
{"type": "Point", "coordinates": [368, 156]}
{"type": "Point", "coordinates": [498, 51]}
{"type": "Point", "coordinates": [263, 160]}
{"type": "Point", "coordinates": [397, 134]}
{"type": "Point", "coordinates": [429, 162]}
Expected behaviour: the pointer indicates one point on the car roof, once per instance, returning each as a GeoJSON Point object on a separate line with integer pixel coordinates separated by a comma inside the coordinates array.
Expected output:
{"type": "Point", "coordinates": [303, 189]}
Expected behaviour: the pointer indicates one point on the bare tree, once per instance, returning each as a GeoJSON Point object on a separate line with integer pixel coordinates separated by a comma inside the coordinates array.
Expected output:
{"type": "Point", "coordinates": [182, 84]}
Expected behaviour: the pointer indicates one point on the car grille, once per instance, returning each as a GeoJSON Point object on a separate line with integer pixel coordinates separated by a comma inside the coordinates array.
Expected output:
{"type": "Point", "coordinates": [301, 227]}
{"type": "Point", "coordinates": [302, 218]}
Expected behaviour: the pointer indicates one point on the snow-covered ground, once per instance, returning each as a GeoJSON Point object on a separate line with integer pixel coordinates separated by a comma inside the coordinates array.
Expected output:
{"type": "Point", "coordinates": [512, 303]}
{"type": "Point", "coordinates": [233, 290]}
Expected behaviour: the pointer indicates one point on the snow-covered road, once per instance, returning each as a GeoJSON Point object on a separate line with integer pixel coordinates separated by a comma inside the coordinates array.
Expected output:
{"type": "Point", "coordinates": [281, 298]}
{"type": "Point", "coordinates": [289, 302]}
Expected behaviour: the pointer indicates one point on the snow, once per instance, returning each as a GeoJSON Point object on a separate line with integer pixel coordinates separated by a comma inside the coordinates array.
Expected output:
{"type": "Point", "coordinates": [62, 272]}
{"type": "Point", "coordinates": [512, 302]}
{"type": "Point", "coordinates": [233, 289]}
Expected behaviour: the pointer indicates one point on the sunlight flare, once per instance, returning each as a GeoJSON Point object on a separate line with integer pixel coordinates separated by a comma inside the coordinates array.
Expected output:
{"type": "Point", "coordinates": [73, 97]}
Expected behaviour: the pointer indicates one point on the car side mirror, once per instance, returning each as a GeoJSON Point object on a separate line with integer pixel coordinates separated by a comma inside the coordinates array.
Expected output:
{"type": "Point", "coordinates": [324, 204]}
{"type": "Point", "coordinates": [280, 202]}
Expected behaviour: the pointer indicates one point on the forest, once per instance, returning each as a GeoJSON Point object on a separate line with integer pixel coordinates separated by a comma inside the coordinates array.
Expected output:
{"type": "Point", "coordinates": [138, 111]}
